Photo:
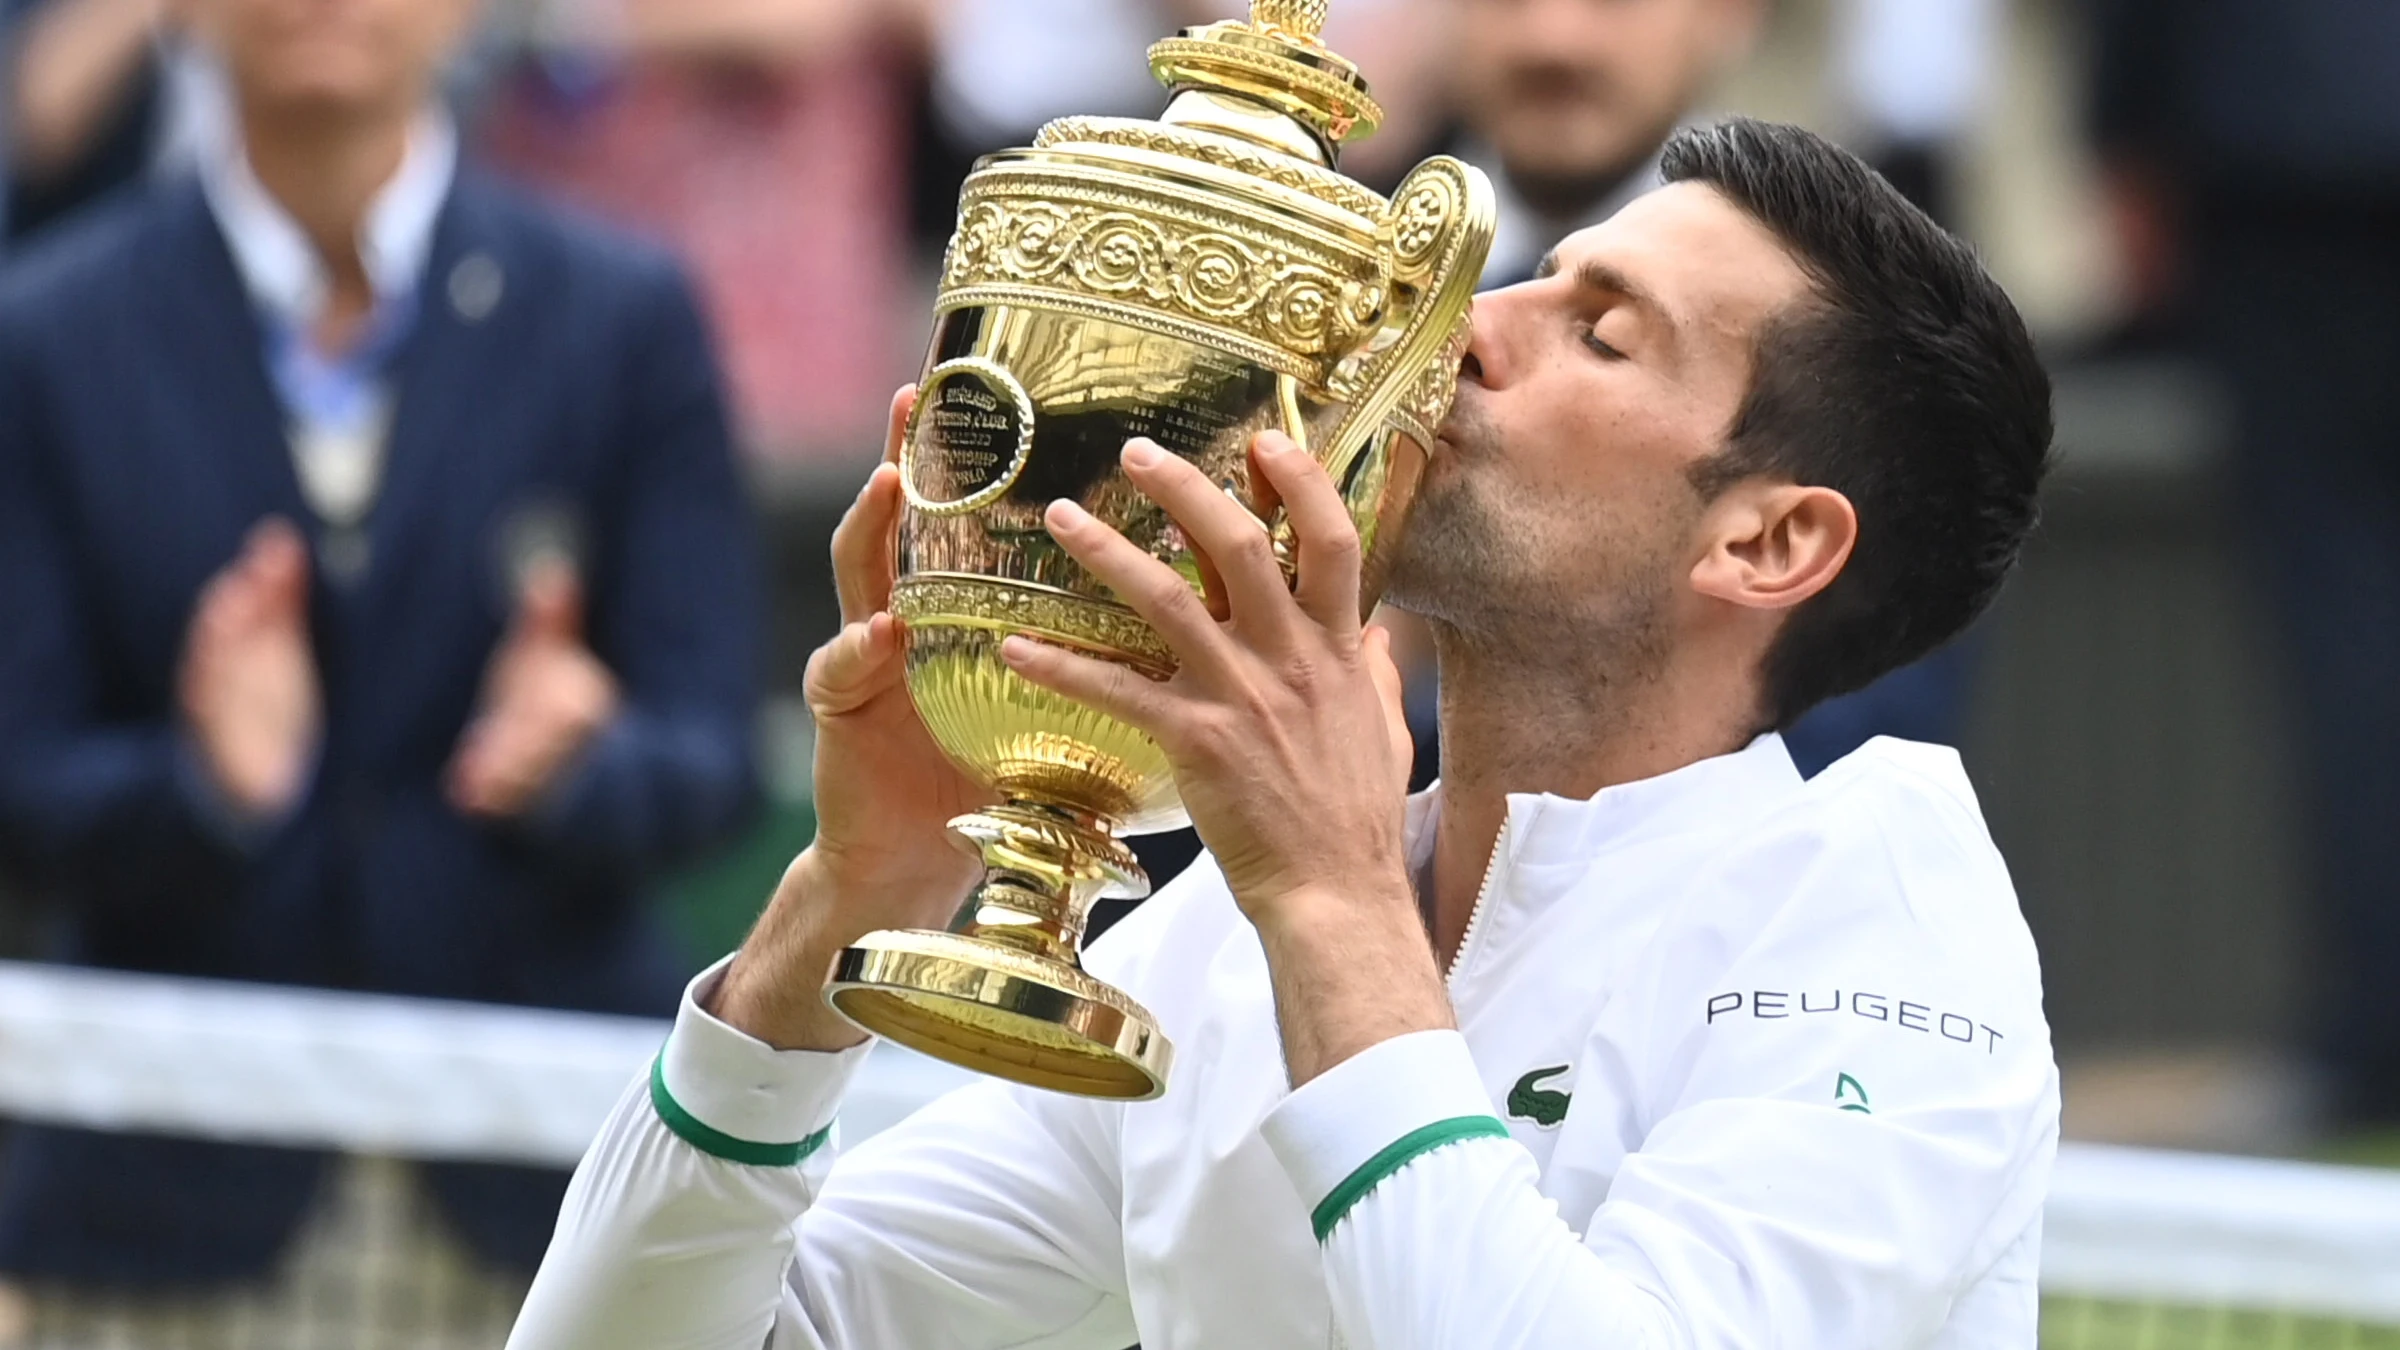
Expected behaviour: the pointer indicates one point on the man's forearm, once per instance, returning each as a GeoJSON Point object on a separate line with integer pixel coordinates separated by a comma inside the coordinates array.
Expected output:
{"type": "Point", "coordinates": [1349, 972]}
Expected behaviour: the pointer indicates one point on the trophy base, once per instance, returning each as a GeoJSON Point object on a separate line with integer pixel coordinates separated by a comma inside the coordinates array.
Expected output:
{"type": "Point", "coordinates": [1012, 1014]}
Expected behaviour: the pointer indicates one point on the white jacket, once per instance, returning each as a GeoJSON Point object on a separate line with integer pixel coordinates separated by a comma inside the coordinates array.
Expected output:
{"type": "Point", "coordinates": [1741, 1062]}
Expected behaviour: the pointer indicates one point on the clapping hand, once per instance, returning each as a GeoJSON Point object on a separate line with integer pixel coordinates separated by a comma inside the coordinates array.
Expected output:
{"type": "Point", "coordinates": [545, 695]}
{"type": "Point", "coordinates": [248, 682]}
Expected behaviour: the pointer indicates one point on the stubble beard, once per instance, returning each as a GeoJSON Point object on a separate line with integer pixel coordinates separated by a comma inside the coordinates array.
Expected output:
{"type": "Point", "coordinates": [1520, 592]}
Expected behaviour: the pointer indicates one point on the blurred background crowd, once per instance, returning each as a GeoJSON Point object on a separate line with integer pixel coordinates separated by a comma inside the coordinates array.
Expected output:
{"type": "Point", "coordinates": [421, 422]}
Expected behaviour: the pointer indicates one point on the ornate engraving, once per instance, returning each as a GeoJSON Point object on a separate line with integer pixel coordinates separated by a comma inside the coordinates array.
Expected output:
{"type": "Point", "coordinates": [969, 435]}
{"type": "Point", "coordinates": [1426, 405]}
{"type": "Point", "coordinates": [1338, 107]}
{"type": "Point", "coordinates": [1159, 138]}
{"type": "Point", "coordinates": [939, 598]}
{"type": "Point", "coordinates": [1302, 19]}
{"type": "Point", "coordinates": [1150, 250]}
{"type": "Point", "coordinates": [1418, 222]}
{"type": "Point", "coordinates": [1445, 215]}
{"type": "Point", "coordinates": [1144, 316]}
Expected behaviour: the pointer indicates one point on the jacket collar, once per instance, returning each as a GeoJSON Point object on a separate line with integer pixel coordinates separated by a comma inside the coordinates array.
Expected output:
{"type": "Point", "coordinates": [1545, 829]}
{"type": "Point", "coordinates": [280, 268]}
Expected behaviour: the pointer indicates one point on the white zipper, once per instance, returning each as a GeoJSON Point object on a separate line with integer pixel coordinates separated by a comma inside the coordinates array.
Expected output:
{"type": "Point", "coordinates": [1491, 873]}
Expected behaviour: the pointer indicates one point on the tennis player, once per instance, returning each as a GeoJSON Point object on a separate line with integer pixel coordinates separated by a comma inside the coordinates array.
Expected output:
{"type": "Point", "coordinates": [1624, 1036]}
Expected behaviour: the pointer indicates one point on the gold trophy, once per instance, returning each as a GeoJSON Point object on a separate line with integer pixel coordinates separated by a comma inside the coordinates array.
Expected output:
{"type": "Point", "coordinates": [1195, 280]}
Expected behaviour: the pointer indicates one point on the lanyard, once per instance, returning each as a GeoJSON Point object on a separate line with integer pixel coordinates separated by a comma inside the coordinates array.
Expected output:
{"type": "Point", "coordinates": [338, 408]}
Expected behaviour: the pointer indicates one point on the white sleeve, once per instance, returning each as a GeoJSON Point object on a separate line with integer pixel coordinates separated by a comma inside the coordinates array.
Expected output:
{"type": "Point", "coordinates": [986, 1220]}
{"type": "Point", "coordinates": [1433, 1233]}
{"type": "Point", "coordinates": [1830, 1178]}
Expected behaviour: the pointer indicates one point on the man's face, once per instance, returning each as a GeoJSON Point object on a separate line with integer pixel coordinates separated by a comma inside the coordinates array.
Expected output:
{"type": "Point", "coordinates": [331, 57]}
{"type": "Point", "coordinates": [1559, 504]}
{"type": "Point", "coordinates": [1575, 94]}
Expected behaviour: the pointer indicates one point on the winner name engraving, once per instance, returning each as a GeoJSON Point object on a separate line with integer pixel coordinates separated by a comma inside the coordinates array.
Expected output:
{"type": "Point", "coordinates": [974, 426]}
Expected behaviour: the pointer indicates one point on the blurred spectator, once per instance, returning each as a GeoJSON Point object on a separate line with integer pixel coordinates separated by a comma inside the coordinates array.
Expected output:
{"type": "Point", "coordinates": [379, 606]}
{"type": "Point", "coordinates": [766, 142]}
{"type": "Point", "coordinates": [2253, 148]}
{"type": "Point", "coordinates": [83, 83]}
{"type": "Point", "coordinates": [1566, 103]}
{"type": "Point", "coordinates": [94, 94]}
{"type": "Point", "coordinates": [1913, 75]}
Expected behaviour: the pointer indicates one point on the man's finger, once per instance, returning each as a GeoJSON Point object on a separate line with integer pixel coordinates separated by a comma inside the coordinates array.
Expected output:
{"type": "Point", "coordinates": [895, 433]}
{"type": "Point", "coordinates": [861, 662]}
{"type": "Point", "coordinates": [862, 546]}
{"type": "Point", "coordinates": [1329, 548]}
{"type": "Point", "coordinates": [1149, 587]}
{"type": "Point", "coordinates": [1217, 525]}
{"type": "Point", "coordinates": [1116, 690]}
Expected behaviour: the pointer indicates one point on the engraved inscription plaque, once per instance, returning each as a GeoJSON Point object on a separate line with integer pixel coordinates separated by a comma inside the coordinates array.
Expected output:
{"type": "Point", "coordinates": [968, 437]}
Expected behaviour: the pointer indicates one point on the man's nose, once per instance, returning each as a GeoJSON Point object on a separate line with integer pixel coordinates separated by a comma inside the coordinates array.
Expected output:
{"type": "Point", "coordinates": [1487, 361]}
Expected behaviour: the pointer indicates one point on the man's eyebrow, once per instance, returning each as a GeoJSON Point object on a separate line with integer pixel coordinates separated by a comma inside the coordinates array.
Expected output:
{"type": "Point", "coordinates": [1595, 275]}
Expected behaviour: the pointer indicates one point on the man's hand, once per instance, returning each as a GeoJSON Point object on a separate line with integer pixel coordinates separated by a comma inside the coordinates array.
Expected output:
{"type": "Point", "coordinates": [1285, 729]}
{"type": "Point", "coordinates": [545, 695]}
{"type": "Point", "coordinates": [248, 684]}
{"type": "Point", "coordinates": [885, 794]}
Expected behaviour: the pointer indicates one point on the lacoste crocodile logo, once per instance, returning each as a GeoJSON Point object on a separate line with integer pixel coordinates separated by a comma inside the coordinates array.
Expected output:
{"type": "Point", "coordinates": [1846, 1087]}
{"type": "Point", "coordinates": [1537, 1104]}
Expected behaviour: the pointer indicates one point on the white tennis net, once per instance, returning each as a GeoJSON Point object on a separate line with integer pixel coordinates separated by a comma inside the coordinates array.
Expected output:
{"type": "Point", "coordinates": [2142, 1251]}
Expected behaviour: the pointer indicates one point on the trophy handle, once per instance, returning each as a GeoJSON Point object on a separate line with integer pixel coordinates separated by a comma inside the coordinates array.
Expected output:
{"type": "Point", "coordinates": [1439, 231]}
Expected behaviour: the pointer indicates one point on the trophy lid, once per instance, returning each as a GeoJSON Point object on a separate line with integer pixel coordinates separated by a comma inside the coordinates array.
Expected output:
{"type": "Point", "coordinates": [1276, 61]}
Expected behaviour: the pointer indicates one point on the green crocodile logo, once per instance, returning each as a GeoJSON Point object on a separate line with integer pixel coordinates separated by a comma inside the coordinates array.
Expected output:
{"type": "Point", "coordinates": [1539, 1105]}
{"type": "Point", "coordinates": [1846, 1087]}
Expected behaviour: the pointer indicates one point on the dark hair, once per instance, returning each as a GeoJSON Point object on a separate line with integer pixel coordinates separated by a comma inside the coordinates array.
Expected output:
{"type": "Point", "coordinates": [1907, 383]}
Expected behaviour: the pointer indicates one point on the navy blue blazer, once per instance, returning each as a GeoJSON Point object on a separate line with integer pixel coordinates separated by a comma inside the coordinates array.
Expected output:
{"type": "Point", "coordinates": [140, 439]}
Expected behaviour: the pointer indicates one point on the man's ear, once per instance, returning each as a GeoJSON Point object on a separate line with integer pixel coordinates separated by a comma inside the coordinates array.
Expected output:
{"type": "Point", "coordinates": [1771, 546]}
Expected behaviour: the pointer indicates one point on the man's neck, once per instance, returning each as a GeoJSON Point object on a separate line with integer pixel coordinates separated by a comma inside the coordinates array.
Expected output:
{"type": "Point", "coordinates": [1569, 731]}
{"type": "Point", "coordinates": [326, 171]}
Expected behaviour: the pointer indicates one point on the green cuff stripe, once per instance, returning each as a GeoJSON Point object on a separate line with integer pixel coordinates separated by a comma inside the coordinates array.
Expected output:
{"type": "Point", "coordinates": [716, 1143]}
{"type": "Point", "coordinates": [1400, 1153]}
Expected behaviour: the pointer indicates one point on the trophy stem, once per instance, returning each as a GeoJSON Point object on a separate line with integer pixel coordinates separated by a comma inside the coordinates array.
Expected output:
{"type": "Point", "coordinates": [1044, 865]}
{"type": "Point", "coordinates": [1004, 993]}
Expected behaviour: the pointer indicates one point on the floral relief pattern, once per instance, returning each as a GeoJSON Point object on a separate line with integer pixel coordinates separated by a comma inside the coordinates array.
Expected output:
{"type": "Point", "coordinates": [1283, 170]}
{"type": "Point", "coordinates": [1162, 259]}
{"type": "Point", "coordinates": [983, 602]}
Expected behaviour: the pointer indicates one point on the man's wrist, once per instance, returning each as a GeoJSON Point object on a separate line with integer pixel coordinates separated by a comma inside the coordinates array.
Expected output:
{"type": "Point", "coordinates": [1351, 969]}
{"type": "Point", "coordinates": [774, 989]}
{"type": "Point", "coordinates": [1315, 912]}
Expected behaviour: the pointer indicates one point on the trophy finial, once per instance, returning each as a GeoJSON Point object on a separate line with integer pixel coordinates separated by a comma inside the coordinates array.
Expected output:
{"type": "Point", "coordinates": [1276, 59]}
{"type": "Point", "coordinates": [1301, 20]}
